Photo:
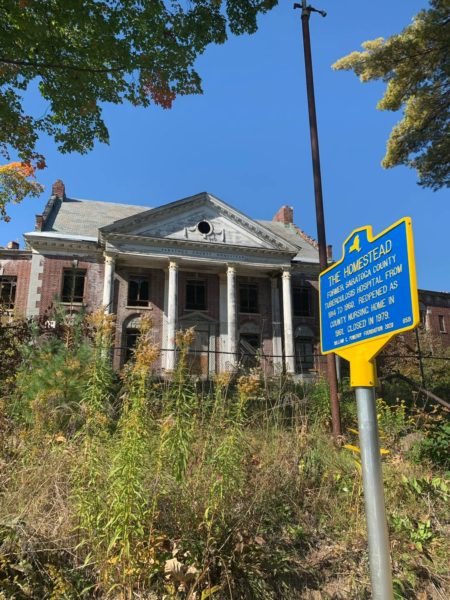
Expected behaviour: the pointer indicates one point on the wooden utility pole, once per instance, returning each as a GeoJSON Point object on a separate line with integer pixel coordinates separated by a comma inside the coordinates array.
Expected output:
{"type": "Point", "coordinates": [320, 218]}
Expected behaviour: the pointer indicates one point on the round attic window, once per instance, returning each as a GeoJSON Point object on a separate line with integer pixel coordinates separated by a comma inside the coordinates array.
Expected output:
{"type": "Point", "coordinates": [204, 227]}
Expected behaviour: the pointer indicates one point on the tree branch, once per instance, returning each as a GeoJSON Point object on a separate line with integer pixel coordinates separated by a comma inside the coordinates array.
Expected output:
{"type": "Point", "coordinates": [45, 65]}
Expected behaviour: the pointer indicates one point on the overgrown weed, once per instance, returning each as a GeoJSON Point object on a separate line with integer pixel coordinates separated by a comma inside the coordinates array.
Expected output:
{"type": "Point", "coordinates": [231, 491]}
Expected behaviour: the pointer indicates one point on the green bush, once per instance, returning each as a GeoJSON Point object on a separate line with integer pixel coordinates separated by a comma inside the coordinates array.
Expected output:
{"type": "Point", "coordinates": [435, 446]}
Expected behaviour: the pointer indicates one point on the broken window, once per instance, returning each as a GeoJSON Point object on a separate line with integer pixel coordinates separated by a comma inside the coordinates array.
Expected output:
{"type": "Point", "coordinates": [249, 349]}
{"type": "Point", "coordinates": [73, 285]}
{"type": "Point", "coordinates": [195, 295]}
{"type": "Point", "coordinates": [302, 301]}
{"type": "Point", "coordinates": [248, 298]}
{"type": "Point", "coordinates": [8, 285]}
{"type": "Point", "coordinates": [138, 291]}
{"type": "Point", "coordinates": [304, 349]}
{"type": "Point", "coordinates": [131, 337]}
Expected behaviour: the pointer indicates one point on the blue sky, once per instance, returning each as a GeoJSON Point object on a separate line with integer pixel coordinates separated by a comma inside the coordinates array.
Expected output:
{"type": "Point", "coordinates": [246, 139]}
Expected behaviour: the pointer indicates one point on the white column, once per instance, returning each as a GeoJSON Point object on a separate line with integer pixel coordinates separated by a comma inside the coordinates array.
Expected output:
{"type": "Point", "coordinates": [277, 346]}
{"type": "Point", "coordinates": [287, 318]}
{"type": "Point", "coordinates": [172, 313]}
{"type": "Point", "coordinates": [35, 284]}
{"type": "Point", "coordinates": [108, 283]}
{"type": "Point", "coordinates": [231, 316]}
{"type": "Point", "coordinates": [223, 321]}
{"type": "Point", "coordinates": [165, 313]}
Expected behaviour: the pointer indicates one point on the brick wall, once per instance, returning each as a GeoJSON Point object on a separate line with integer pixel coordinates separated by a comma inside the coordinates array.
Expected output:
{"type": "Point", "coordinates": [18, 264]}
{"type": "Point", "coordinates": [51, 280]}
{"type": "Point", "coordinates": [434, 305]}
{"type": "Point", "coordinates": [433, 326]}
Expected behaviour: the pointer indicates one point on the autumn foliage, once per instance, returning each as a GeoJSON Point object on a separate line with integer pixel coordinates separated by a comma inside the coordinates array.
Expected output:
{"type": "Point", "coordinates": [17, 181]}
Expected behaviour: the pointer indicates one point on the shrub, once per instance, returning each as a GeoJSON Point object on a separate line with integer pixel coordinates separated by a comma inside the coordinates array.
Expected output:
{"type": "Point", "coordinates": [435, 445]}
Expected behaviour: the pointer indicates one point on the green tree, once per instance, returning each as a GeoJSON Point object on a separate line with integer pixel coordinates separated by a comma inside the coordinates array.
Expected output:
{"type": "Point", "coordinates": [415, 65]}
{"type": "Point", "coordinates": [83, 53]}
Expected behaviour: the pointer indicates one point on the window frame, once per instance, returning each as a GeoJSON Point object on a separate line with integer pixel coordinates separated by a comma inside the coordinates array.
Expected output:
{"type": "Point", "coordinates": [299, 289]}
{"type": "Point", "coordinates": [12, 281]}
{"type": "Point", "coordinates": [195, 305]}
{"type": "Point", "coordinates": [73, 273]}
{"type": "Point", "coordinates": [304, 362]}
{"type": "Point", "coordinates": [244, 286]}
{"type": "Point", "coordinates": [246, 358]}
{"type": "Point", "coordinates": [130, 341]}
{"type": "Point", "coordinates": [138, 302]}
{"type": "Point", "coordinates": [441, 321]}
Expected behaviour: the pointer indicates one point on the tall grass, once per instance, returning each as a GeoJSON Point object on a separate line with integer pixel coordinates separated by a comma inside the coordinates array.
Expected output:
{"type": "Point", "coordinates": [239, 492]}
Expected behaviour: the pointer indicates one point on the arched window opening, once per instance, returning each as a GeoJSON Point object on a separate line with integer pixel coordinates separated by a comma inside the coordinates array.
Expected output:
{"type": "Point", "coordinates": [132, 330]}
{"type": "Point", "coordinates": [249, 345]}
{"type": "Point", "coordinates": [131, 336]}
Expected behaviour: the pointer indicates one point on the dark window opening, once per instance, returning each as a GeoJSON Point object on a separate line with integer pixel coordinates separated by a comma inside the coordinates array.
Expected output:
{"type": "Point", "coordinates": [131, 337]}
{"type": "Point", "coordinates": [442, 328]}
{"type": "Point", "coordinates": [302, 301]}
{"type": "Point", "coordinates": [8, 285]}
{"type": "Point", "coordinates": [304, 354]}
{"type": "Point", "coordinates": [73, 285]}
{"type": "Point", "coordinates": [204, 227]}
{"type": "Point", "coordinates": [138, 291]}
{"type": "Point", "coordinates": [195, 295]}
{"type": "Point", "coordinates": [423, 315]}
{"type": "Point", "coordinates": [248, 298]}
{"type": "Point", "coordinates": [249, 348]}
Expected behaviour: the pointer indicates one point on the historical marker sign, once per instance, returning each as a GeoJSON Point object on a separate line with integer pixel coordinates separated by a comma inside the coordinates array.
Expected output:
{"type": "Point", "coordinates": [371, 292]}
{"type": "Point", "coordinates": [365, 299]}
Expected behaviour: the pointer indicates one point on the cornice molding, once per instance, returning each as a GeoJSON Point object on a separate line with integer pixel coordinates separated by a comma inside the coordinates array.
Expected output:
{"type": "Point", "coordinates": [167, 243]}
{"type": "Point", "coordinates": [9, 253]}
{"type": "Point", "coordinates": [124, 225]}
{"type": "Point", "coordinates": [38, 243]}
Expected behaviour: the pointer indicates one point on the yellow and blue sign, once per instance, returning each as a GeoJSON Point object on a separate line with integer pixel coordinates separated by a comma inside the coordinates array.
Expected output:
{"type": "Point", "coordinates": [371, 293]}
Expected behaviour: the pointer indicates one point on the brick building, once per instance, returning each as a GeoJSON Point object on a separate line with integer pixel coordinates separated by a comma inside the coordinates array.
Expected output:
{"type": "Point", "coordinates": [435, 315]}
{"type": "Point", "coordinates": [248, 287]}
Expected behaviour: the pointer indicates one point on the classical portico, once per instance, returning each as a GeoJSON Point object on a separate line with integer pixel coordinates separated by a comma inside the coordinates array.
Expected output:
{"type": "Point", "coordinates": [201, 239]}
{"type": "Point", "coordinates": [227, 308]}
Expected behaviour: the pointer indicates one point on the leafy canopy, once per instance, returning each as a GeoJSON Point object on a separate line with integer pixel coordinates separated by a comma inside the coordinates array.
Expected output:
{"type": "Point", "coordinates": [82, 53]}
{"type": "Point", "coordinates": [16, 183]}
{"type": "Point", "coordinates": [415, 64]}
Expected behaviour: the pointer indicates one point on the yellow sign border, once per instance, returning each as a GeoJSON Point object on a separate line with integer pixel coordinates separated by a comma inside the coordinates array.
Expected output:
{"type": "Point", "coordinates": [361, 353]}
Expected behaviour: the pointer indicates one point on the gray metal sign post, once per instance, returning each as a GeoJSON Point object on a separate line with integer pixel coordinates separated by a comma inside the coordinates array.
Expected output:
{"type": "Point", "coordinates": [366, 298]}
{"type": "Point", "coordinates": [377, 533]}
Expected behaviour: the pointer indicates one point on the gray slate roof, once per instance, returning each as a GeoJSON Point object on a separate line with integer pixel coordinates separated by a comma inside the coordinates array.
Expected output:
{"type": "Point", "coordinates": [291, 234]}
{"type": "Point", "coordinates": [84, 218]}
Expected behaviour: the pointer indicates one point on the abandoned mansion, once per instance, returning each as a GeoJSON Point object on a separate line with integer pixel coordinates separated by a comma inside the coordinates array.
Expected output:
{"type": "Point", "coordinates": [248, 287]}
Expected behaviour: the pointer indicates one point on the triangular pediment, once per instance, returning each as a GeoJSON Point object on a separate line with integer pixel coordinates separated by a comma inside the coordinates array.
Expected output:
{"type": "Point", "coordinates": [202, 218]}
